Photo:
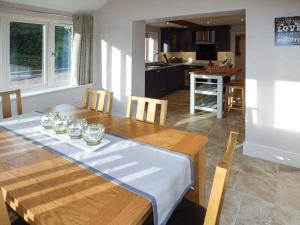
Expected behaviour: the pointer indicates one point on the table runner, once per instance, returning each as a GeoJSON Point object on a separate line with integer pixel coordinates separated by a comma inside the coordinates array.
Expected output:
{"type": "Point", "coordinates": [160, 175]}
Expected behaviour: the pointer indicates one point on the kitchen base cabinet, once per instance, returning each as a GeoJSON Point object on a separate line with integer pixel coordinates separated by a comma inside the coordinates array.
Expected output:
{"type": "Point", "coordinates": [163, 81]}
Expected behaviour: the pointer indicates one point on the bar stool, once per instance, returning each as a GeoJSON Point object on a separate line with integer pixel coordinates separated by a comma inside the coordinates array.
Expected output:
{"type": "Point", "coordinates": [235, 96]}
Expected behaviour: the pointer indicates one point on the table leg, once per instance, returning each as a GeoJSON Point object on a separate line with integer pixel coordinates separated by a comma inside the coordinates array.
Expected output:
{"type": "Point", "coordinates": [192, 93]}
{"type": "Point", "coordinates": [220, 98]}
{"type": "Point", "coordinates": [197, 193]}
{"type": "Point", "coordinates": [4, 219]}
{"type": "Point", "coordinates": [202, 176]}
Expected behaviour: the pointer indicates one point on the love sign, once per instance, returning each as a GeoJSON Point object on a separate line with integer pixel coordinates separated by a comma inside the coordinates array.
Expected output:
{"type": "Point", "coordinates": [287, 31]}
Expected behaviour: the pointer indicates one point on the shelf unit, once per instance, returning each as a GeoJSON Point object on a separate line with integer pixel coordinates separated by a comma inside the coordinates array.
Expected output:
{"type": "Point", "coordinates": [210, 89]}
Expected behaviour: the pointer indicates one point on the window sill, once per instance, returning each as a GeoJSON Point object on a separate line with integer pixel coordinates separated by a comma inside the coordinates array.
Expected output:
{"type": "Point", "coordinates": [51, 90]}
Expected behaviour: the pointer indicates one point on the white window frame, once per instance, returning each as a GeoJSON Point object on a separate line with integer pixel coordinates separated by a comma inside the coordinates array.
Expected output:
{"type": "Point", "coordinates": [52, 49]}
{"type": "Point", "coordinates": [48, 48]}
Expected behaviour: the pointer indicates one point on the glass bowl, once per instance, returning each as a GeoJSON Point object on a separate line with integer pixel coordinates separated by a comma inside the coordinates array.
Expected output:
{"type": "Point", "coordinates": [75, 128]}
{"type": "Point", "coordinates": [93, 134]}
{"type": "Point", "coordinates": [47, 119]}
{"type": "Point", "coordinates": [60, 124]}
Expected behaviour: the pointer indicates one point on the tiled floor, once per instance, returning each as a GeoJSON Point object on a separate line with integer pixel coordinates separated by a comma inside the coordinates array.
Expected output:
{"type": "Point", "coordinates": [259, 192]}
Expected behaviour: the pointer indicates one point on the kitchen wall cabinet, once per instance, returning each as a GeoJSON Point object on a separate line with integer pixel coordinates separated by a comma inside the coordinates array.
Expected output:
{"type": "Point", "coordinates": [187, 40]}
{"type": "Point", "coordinates": [179, 39]}
{"type": "Point", "coordinates": [169, 40]}
{"type": "Point", "coordinates": [160, 82]}
{"type": "Point", "coordinates": [222, 39]}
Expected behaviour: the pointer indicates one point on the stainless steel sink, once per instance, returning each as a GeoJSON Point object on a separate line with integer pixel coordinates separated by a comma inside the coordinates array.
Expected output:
{"type": "Point", "coordinates": [155, 65]}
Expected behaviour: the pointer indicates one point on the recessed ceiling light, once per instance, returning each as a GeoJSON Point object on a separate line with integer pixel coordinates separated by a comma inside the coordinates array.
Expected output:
{"type": "Point", "coordinates": [207, 22]}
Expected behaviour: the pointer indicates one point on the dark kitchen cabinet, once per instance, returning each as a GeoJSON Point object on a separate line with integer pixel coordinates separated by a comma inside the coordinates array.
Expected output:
{"type": "Point", "coordinates": [222, 39]}
{"type": "Point", "coordinates": [177, 39]}
{"type": "Point", "coordinates": [160, 82]}
{"type": "Point", "coordinates": [154, 83]}
{"type": "Point", "coordinates": [169, 40]}
{"type": "Point", "coordinates": [187, 40]}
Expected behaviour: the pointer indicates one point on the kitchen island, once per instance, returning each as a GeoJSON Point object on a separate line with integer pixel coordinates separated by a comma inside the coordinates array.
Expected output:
{"type": "Point", "coordinates": [207, 90]}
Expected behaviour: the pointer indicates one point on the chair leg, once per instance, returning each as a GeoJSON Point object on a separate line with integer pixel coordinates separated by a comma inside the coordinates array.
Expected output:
{"type": "Point", "coordinates": [243, 102]}
{"type": "Point", "coordinates": [230, 99]}
{"type": "Point", "coordinates": [226, 99]}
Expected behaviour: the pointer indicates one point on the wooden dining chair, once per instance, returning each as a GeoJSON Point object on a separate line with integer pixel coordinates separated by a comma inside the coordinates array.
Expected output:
{"type": "Point", "coordinates": [5, 218]}
{"type": "Point", "coordinates": [146, 109]}
{"type": "Point", "coordinates": [6, 102]}
{"type": "Point", "coordinates": [190, 213]}
{"type": "Point", "coordinates": [97, 100]}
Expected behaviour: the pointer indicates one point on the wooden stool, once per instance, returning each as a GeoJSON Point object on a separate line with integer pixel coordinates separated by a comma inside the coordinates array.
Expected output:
{"type": "Point", "coordinates": [235, 96]}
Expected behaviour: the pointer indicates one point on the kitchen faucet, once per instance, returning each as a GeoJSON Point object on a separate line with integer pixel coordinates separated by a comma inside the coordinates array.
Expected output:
{"type": "Point", "coordinates": [157, 53]}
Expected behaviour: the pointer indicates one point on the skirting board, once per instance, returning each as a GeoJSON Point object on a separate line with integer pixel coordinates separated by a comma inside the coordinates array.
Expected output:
{"type": "Point", "coordinates": [271, 154]}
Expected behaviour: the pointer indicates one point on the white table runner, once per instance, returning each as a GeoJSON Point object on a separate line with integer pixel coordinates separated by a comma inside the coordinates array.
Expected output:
{"type": "Point", "coordinates": [157, 174]}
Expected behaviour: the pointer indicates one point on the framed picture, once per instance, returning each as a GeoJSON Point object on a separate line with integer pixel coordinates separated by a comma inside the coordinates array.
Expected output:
{"type": "Point", "coordinates": [287, 31]}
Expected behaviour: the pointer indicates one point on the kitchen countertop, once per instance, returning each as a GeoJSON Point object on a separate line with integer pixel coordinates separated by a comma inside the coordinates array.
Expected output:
{"type": "Point", "coordinates": [174, 65]}
{"type": "Point", "coordinates": [229, 73]}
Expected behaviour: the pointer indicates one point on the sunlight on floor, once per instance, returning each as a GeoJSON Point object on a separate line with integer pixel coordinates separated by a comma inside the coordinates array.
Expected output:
{"type": "Point", "coordinates": [196, 117]}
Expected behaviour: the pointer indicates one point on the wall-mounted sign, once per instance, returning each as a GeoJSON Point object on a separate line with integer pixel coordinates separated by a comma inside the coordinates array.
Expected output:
{"type": "Point", "coordinates": [287, 31]}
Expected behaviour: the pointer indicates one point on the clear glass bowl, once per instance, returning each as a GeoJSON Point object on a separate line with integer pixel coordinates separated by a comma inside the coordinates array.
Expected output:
{"type": "Point", "coordinates": [75, 128]}
{"type": "Point", "coordinates": [93, 134]}
{"type": "Point", "coordinates": [60, 124]}
{"type": "Point", "coordinates": [47, 119]}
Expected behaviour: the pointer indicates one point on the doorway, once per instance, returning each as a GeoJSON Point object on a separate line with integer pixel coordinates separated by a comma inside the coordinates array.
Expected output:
{"type": "Point", "coordinates": [240, 54]}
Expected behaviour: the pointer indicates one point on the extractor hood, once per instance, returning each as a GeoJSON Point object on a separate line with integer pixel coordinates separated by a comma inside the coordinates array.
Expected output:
{"type": "Point", "coordinates": [205, 37]}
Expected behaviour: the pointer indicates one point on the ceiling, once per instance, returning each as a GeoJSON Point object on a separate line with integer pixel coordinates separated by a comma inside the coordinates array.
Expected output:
{"type": "Point", "coordinates": [71, 6]}
{"type": "Point", "coordinates": [235, 18]}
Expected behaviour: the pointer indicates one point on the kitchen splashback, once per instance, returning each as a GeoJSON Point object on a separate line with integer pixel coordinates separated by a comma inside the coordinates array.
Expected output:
{"type": "Point", "coordinates": [183, 55]}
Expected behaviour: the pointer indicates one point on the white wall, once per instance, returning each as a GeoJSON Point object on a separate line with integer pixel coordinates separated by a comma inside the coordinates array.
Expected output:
{"type": "Point", "coordinates": [270, 128]}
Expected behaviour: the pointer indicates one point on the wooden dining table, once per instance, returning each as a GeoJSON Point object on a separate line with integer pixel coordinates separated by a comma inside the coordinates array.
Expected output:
{"type": "Point", "coordinates": [47, 189]}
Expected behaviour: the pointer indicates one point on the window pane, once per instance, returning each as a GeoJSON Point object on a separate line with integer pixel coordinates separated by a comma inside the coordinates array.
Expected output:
{"type": "Point", "coordinates": [26, 55]}
{"type": "Point", "coordinates": [63, 46]}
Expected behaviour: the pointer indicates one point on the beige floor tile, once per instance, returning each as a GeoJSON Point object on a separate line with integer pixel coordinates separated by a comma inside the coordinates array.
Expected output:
{"type": "Point", "coordinates": [285, 215]}
{"type": "Point", "coordinates": [256, 167]}
{"type": "Point", "coordinates": [259, 192]}
{"type": "Point", "coordinates": [232, 204]}
{"type": "Point", "coordinates": [259, 186]}
{"type": "Point", "coordinates": [254, 211]}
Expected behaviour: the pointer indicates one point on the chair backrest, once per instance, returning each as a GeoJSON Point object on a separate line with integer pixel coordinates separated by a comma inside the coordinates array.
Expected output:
{"type": "Point", "coordinates": [6, 102]}
{"type": "Point", "coordinates": [146, 109]}
{"type": "Point", "coordinates": [97, 99]}
{"type": "Point", "coordinates": [4, 218]}
{"type": "Point", "coordinates": [222, 173]}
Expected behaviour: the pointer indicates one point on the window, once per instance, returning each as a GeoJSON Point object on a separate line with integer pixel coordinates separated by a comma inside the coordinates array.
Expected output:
{"type": "Point", "coordinates": [63, 48]}
{"type": "Point", "coordinates": [36, 53]}
{"type": "Point", "coordinates": [26, 55]}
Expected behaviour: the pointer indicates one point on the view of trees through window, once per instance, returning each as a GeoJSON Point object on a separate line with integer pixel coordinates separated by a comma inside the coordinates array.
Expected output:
{"type": "Point", "coordinates": [27, 54]}
{"type": "Point", "coordinates": [63, 46]}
